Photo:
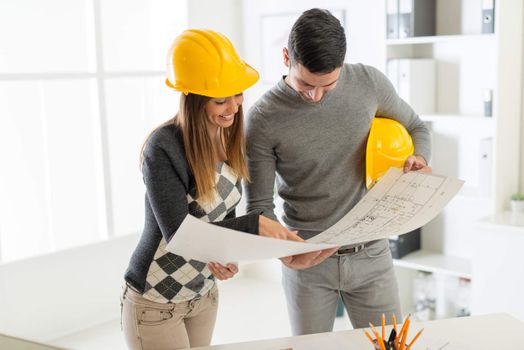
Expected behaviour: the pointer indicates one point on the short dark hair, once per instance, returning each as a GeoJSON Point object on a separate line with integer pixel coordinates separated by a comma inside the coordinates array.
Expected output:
{"type": "Point", "coordinates": [317, 41]}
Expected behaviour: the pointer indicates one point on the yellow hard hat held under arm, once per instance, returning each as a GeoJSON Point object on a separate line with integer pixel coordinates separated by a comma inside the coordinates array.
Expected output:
{"type": "Point", "coordinates": [389, 144]}
{"type": "Point", "coordinates": [204, 62]}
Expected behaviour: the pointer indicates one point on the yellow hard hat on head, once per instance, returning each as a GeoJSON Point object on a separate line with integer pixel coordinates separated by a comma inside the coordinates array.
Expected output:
{"type": "Point", "coordinates": [204, 62]}
{"type": "Point", "coordinates": [389, 144]}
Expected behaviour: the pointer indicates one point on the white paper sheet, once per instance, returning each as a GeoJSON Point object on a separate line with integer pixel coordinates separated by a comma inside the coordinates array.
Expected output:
{"type": "Point", "coordinates": [397, 204]}
{"type": "Point", "coordinates": [196, 239]}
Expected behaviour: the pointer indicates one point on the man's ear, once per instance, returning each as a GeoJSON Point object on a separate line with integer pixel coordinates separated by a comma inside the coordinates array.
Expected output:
{"type": "Point", "coordinates": [285, 54]}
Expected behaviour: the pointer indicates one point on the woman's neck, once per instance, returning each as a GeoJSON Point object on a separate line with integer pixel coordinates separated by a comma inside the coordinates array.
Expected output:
{"type": "Point", "coordinates": [217, 142]}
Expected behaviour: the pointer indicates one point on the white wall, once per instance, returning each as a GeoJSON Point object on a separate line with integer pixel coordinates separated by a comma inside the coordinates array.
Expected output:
{"type": "Point", "coordinates": [224, 16]}
{"type": "Point", "coordinates": [507, 101]}
{"type": "Point", "coordinates": [521, 147]}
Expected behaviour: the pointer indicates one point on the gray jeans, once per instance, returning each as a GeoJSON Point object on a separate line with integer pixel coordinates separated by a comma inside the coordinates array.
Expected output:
{"type": "Point", "coordinates": [365, 280]}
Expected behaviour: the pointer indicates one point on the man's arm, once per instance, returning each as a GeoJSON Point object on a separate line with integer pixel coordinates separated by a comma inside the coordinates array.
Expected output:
{"type": "Point", "coordinates": [261, 160]}
{"type": "Point", "coordinates": [390, 105]}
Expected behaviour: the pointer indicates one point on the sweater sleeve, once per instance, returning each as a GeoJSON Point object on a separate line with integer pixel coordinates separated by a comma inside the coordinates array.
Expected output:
{"type": "Point", "coordinates": [246, 223]}
{"type": "Point", "coordinates": [390, 105]}
{"type": "Point", "coordinates": [261, 160]}
{"type": "Point", "coordinates": [167, 193]}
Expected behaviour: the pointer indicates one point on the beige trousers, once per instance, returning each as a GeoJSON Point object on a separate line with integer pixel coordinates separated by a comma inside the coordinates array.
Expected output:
{"type": "Point", "coordinates": [154, 326]}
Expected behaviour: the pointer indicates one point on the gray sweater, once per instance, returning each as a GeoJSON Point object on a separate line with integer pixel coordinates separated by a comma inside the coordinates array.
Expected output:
{"type": "Point", "coordinates": [169, 180]}
{"type": "Point", "coordinates": [318, 150]}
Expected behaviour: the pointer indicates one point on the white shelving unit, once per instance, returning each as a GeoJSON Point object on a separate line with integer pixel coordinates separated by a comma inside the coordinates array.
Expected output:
{"type": "Point", "coordinates": [440, 39]}
{"type": "Point", "coordinates": [456, 118]}
{"type": "Point", "coordinates": [468, 63]}
{"type": "Point", "coordinates": [446, 271]}
{"type": "Point", "coordinates": [466, 66]}
{"type": "Point", "coordinates": [427, 261]}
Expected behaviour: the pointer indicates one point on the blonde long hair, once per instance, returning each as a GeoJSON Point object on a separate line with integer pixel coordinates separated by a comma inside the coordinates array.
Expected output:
{"type": "Point", "coordinates": [199, 150]}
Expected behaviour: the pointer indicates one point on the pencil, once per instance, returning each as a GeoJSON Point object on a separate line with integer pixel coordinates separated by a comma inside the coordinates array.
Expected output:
{"type": "Point", "coordinates": [383, 326]}
{"type": "Point", "coordinates": [381, 343]}
{"type": "Point", "coordinates": [399, 335]}
{"type": "Point", "coordinates": [369, 337]}
{"type": "Point", "coordinates": [414, 339]}
{"type": "Point", "coordinates": [374, 330]}
{"type": "Point", "coordinates": [404, 335]}
{"type": "Point", "coordinates": [394, 322]}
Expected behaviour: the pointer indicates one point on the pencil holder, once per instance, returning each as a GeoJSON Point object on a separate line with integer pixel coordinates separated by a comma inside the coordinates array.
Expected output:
{"type": "Point", "coordinates": [376, 346]}
{"type": "Point", "coordinates": [397, 339]}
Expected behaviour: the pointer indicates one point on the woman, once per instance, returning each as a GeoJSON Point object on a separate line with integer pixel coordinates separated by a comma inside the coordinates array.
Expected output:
{"type": "Point", "coordinates": [192, 164]}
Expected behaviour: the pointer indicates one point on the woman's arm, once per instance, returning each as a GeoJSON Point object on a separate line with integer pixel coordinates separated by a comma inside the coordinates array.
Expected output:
{"type": "Point", "coordinates": [163, 173]}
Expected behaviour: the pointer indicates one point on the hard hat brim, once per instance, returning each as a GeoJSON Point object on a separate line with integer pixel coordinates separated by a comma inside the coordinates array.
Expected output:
{"type": "Point", "coordinates": [248, 78]}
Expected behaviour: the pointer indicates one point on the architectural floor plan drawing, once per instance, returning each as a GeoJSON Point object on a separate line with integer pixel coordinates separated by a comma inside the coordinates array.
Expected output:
{"type": "Point", "coordinates": [397, 204]}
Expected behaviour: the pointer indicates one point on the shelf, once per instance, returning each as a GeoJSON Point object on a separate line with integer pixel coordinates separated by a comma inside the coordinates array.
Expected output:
{"type": "Point", "coordinates": [439, 39]}
{"type": "Point", "coordinates": [433, 262]}
{"type": "Point", "coordinates": [506, 220]}
{"type": "Point", "coordinates": [459, 118]}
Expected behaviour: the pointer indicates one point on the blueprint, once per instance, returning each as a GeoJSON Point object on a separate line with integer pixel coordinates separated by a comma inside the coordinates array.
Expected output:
{"type": "Point", "coordinates": [196, 239]}
{"type": "Point", "coordinates": [398, 203]}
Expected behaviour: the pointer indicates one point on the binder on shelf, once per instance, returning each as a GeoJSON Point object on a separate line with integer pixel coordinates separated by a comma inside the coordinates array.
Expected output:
{"type": "Point", "coordinates": [414, 80]}
{"type": "Point", "coordinates": [392, 19]}
{"type": "Point", "coordinates": [488, 16]}
{"type": "Point", "coordinates": [404, 244]}
{"type": "Point", "coordinates": [416, 18]}
{"type": "Point", "coordinates": [488, 103]}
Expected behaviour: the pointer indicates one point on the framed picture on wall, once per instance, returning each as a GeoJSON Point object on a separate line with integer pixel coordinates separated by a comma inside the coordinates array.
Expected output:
{"type": "Point", "coordinates": [275, 30]}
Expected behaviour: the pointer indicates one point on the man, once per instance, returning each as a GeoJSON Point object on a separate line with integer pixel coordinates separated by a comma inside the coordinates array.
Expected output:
{"type": "Point", "coordinates": [311, 130]}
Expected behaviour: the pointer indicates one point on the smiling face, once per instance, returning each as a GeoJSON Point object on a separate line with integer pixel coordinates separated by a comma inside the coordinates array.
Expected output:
{"type": "Point", "coordinates": [221, 111]}
{"type": "Point", "coordinates": [311, 86]}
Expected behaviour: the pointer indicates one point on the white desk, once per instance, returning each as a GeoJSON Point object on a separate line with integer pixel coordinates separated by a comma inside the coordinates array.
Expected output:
{"type": "Point", "coordinates": [12, 343]}
{"type": "Point", "coordinates": [496, 331]}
